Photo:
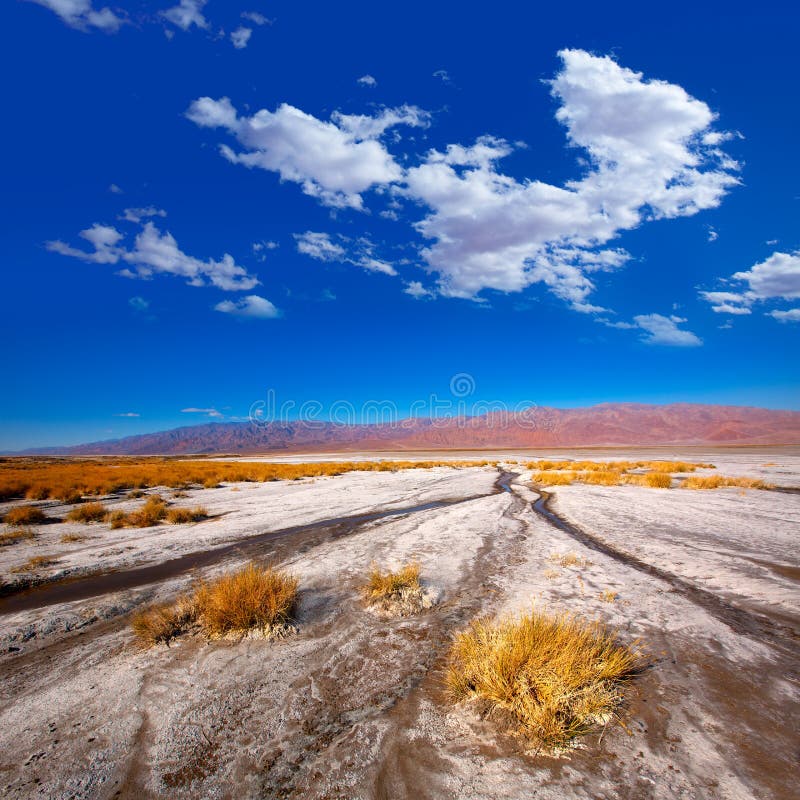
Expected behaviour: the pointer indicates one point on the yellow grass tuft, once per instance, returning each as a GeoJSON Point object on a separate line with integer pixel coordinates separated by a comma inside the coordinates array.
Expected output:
{"type": "Point", "coordinates": [164, 621]}
{"type": "Point", "coordinates": [391, 585]}
{"type": "Point", "coordinates": [24, 515]}
{"type": "Point", "coordinates": [603, 477]}
{"type": "Point", "coordinates": [719, 481]}
{"type": "Point", "coordinates": [553, 478]}
{"type": "Point", "coordinates": [71, 538]}
{"type": "Point", "coordinates": [182, 515]}
{"type": "Point", "coordinates": [554, 676]}
{"type": "Point", "coordinates": [34, 563]}
{"type": "Point", "coordinates": [608, 596]}
{"type": "Point", "coordinates": [252, 597]}
{"type": "Point", "coordinates": [151, 513]}
{"type": "Point", "coordinates": [15, 536]}
{"type": "Point", "coordinates": [88, 512]}
{"type": "Point", "coordinates": [569, 560]}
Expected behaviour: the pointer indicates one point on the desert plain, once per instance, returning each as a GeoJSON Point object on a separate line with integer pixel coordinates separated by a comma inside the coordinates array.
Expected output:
{"type": "Point", "coordinates": [353, 704]}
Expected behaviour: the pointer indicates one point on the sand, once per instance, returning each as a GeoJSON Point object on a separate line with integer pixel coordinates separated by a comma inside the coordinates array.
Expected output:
{"type": "Point", "coordinates": [352, 705]}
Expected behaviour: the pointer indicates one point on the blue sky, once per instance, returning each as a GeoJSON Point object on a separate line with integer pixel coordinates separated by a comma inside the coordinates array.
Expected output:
{"type": "Point", "coordinates": [350, 201]}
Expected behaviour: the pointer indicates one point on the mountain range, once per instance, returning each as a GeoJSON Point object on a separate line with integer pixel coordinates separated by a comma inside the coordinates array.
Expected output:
{"type": "Point", "coordinates": [607, 424]}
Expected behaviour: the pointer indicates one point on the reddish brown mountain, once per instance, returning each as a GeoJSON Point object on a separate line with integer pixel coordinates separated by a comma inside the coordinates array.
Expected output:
{"type": "Point", "coordinates": [621, 424]}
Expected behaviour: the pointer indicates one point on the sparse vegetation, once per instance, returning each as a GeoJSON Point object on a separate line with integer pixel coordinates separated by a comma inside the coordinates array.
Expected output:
{"type": "Point", "coordinates": [16, 536]}
{"type": "Point", "coordinates": [24, 515]}
{"type": "Point", "coordinates": [151, 513]}
{"type": "Point", "coordinates": [719, 481]}
{"type": "Point", "coordinates": [164, 621]}
{"type": "Point", "coordinates": [608, 596]}
{"type": "Point", "coordinates": [182, 515]}
{"type": "Point", "coordinates": [569, 560]}
{"type": "Point", "coordinates": [617, 466]}
{"type": "Point", "coordinates": [554, 478]}
{"type": "Point", "coordinates": [396, 593]}
{"type": "Point", "coordinates": [88, 512]}
{"type": "Point", "coordinates": [252, 597]}
{"type": "Point", "coordinates": [35, 563]}
{"type": "Point", "coordinates": [553, 676]}
{"type": "Point", "coordinates": [117, 519]}
{"type": "Point", "coordinates": [72, 538]}
{"type": "Point", "coordinates": [70, 479]}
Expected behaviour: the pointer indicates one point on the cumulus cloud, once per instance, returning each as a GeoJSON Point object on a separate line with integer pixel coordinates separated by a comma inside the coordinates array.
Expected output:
{"type": "Point", "coordinates": [319, 246]}
{"type": "Point", "coordinates": [664, 330]}
{"type": "Point", "coordinates": [792, 315]}
{"type": "Point", "coordinates": [333, 161]}
{"type": "Point", "coordinates": [418, 291]}
{"type": "Point", "coordinates": [138, 214]}
{"type": "Point", "coordinates": [154, 252]}
{"type": "Point", "coordinates": [80, 14]}
{"type": "Point", "coordinates": [186, 14]}
{"type": "Point", "coordinates": [367, 80]}
{"type": "Point", "coordinates": [251, 306]}
{"type": "Point", "coordinates": [241, 36]}
{"type": "Point", "coordinates": [652, 155]}
{"type": "Point", "coordinates": [361, 253]}
{"type": "Point", "coordinates": [775, 278]}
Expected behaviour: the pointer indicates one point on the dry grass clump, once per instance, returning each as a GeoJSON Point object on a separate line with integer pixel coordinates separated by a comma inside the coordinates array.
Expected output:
{"type": "Point", "coordinates": [88, 512]}
{"type": "Point", "coordinates": [71, 538]}
{"type": "Point", "coordinates": [117, 519]}
{"type": "Point", "coordinates": [553, 478]}
{"type": "Point", "coordinates": [34, 563]}
{"type": "Point", "coordinates": [178, 516]}
{"type": "Point", "coordinates": [24, 515]}
{"type": "Point", "coordinates": [397, 593]}
{"type": "Point", "coordinates": [554, 676]}
{"type": "Point", "coordinates": [719, 481]}
{"type": "Point", "coordinates": [608, 596]}
{"type": "Point", "coordinates": [15, 536]}
{"type": "Point", "coordinates": [618, 466]}
{"type": "Point", "coordinates": [253, 597]}
{"type": "Point", "coordinates": [653, 480]}
{"type": "Point", "coordinates": [569, 560]}
{"type": "Point", "coordinates": [151, 513]}
{"type": "Point", "coordinates": [70, 479]}
{"type": "Point", "coordinates": [164, 621]}
{"type": "Point", "coordinates": [601, 477]}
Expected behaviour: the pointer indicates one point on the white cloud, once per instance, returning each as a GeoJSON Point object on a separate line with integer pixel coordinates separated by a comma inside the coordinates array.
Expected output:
{"type": "Point", "coordinates": [114, 189]}
{"type": "Point", "coordinates": [138, 304]}
{"type": "Point", "coordinates": [333, 161]}
{"type": "Point", "coordinates": [367, 80]}
{"type": "Point", "coordinates": [652, 155]}
{"type": "Point", "coordinates": [664, 330]}
{"type": "Point", "coordinates": [80, 14]}
{"type": "Point", "coordinates": [775, 278]}
{"type": "Point", "coordinates": [128, 414]}
{"type": "Point", "coordinates": [442, 75]}
{"type": "Point", "coordinates": [792, 315]}
{"type": "Point", "coordinates": [186, 14]}
{"type": "Point", "coordinates": [418, 291]}
{"type": "Point", "coordinates": [241, 36]}
{"type": "Point", "coordinates": [322, 247]}
{"type": "Point", "coordinates": [251, 306]}
{"type": "Point", "coordinates": [138, 214]}
{"type": "Point", "coordinates": [155, 252]}
{"type": "Point", "coordinates": [256, 17]}
{"type": "Point", "coordinates": [211, 412]}
{"type": "Point", "coordinates": [319, 246]}
{"type": "Point", "coordinates": [712, 234]}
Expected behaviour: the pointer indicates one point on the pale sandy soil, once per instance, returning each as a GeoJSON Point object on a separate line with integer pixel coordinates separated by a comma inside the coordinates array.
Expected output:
{"type": "Point", "coordinates": [352, 705]}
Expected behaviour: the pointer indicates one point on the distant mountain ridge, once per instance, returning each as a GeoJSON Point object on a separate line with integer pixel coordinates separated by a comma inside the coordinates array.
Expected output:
{"type": "Point", "coordinates": [607, 424]}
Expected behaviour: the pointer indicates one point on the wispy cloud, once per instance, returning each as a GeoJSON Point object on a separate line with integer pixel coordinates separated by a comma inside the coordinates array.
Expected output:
{"type": "Point", "coordinates": [81, 15]}
{"type": "Point", "coordinates": [664, 330]}
{"type": "Point", "coordinates": [128, 414]}
{"type": "Point", "coordinates": [210, 412]}
{"type": "Point", "coordinates": [361, 253]}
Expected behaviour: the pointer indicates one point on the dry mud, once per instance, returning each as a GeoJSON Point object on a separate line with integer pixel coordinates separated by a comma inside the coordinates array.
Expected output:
{"type": "Point", "coordinates": [352, 705]}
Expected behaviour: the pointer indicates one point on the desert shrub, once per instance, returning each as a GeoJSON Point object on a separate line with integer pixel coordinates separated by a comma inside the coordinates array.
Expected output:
{"type": "Point", "coordinates": [88, 512]}
{"type": "Point", "coordinates": [718, 482]}
{"type": "Point", "coordinates": [117, 519]}
{"type": "Point", "coordinates": [24, 515]}
{"type": "Point", "coordinates": [553, 478]}
{"type": "Point", "coordinates": [164, 621]}
{"type": "Point", "coordinates": [71, 538]}
{"type": "Point", "coordinates": [151, 513]}
{"type": "Point", "coordinates": [15, 536]}
{"type": "Point", "coordinates": [390, 585]}
{"type": "Point", "coordinates": [182, 515]}
{"type": "Point", "coordinates": [556, 676]}
{"type": "Point", "coordinates": [250, 598]}
{"type": "Point", "coordinates": [34, 563]}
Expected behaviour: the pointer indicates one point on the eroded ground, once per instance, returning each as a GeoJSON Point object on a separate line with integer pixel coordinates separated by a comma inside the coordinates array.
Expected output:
{"type": "Point", "coordinates": [352, 705]}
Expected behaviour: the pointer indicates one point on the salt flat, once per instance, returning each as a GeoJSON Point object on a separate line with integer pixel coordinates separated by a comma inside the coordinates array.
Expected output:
{"type": "Point", "coordinates": [352, 705]}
